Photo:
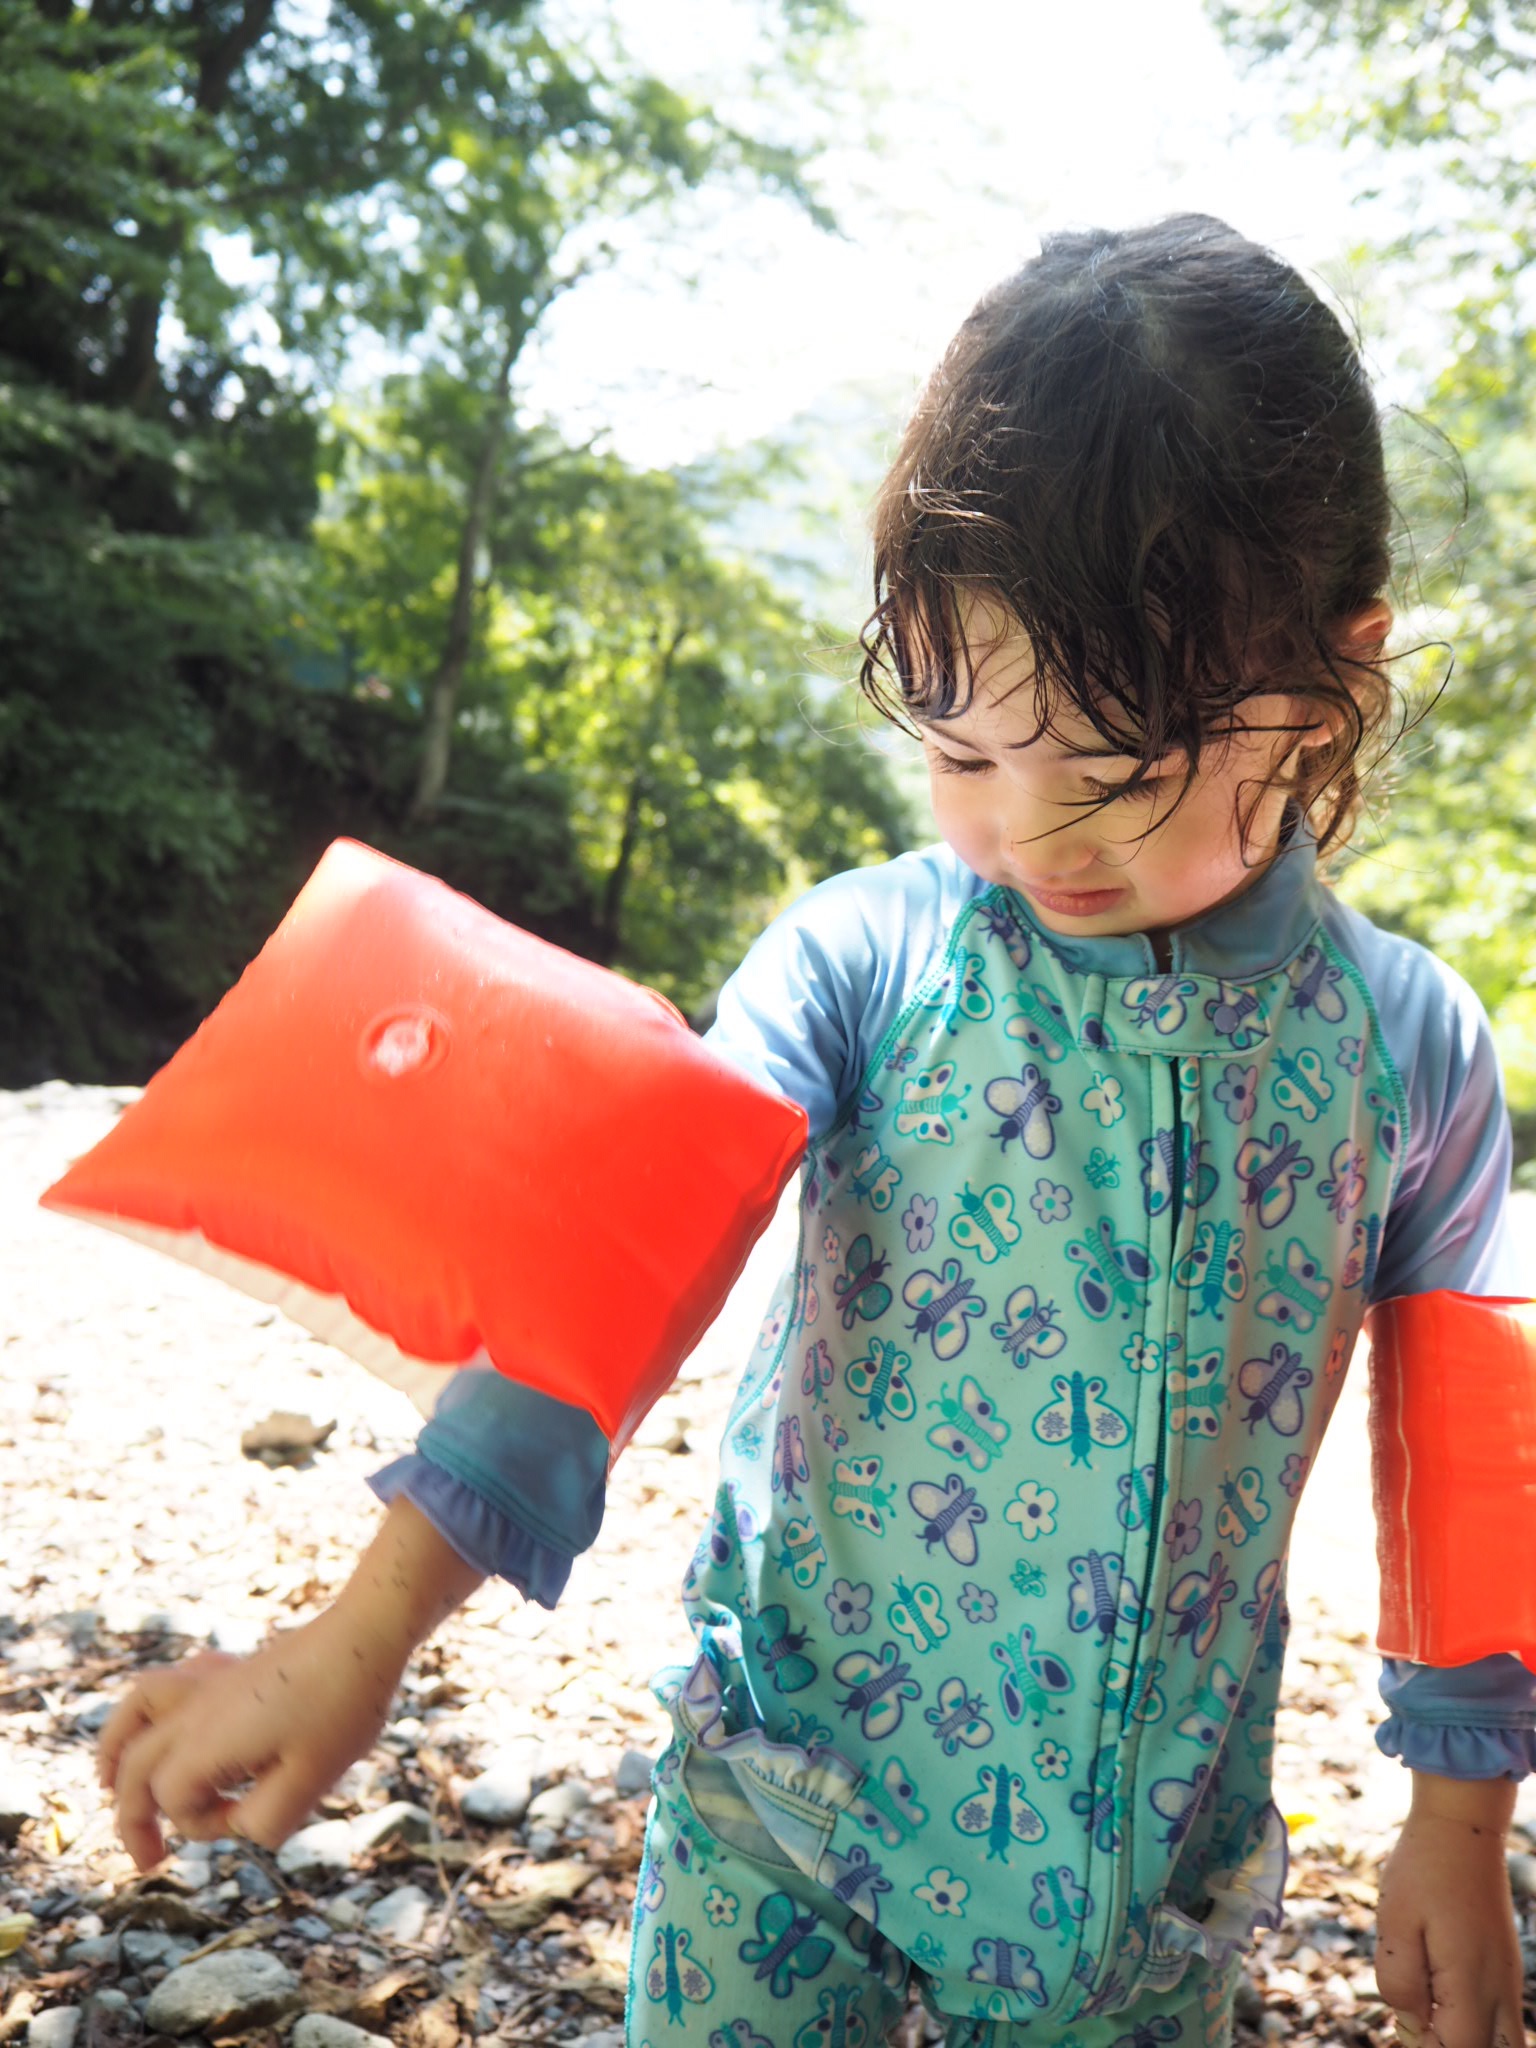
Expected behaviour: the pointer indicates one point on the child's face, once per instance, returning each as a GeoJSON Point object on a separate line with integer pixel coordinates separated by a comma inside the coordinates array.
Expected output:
{"type": "Point", "coordinates": [1024, 813]}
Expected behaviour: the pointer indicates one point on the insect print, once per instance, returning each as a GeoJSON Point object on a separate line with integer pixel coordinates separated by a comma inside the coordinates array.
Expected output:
{"type": "Point", "coordinates": [1026, 1107]}
{"type": "Point", "coordinates": [825, 1169]}
{"type": "Point", "coordinates": [1160, 1001]}
{"type": "Point", "coordinates": [950, 1514]}
{"type": "Point", "coordinates": [1218, 1697]}
{"type": "Point", "coordinates": [861, 1291]}
{"type": "Point", "coordinates": [1270, 1171]}
{"type": "Point", "coordinates": [854, 1879]}
{"type": "Point", "coordinates": [1244, 1510]}
{"type": "Point", "coordinates": [1172, 1163]}
{"type": "Point", "coordinates": [1273, 1389]}
{"type": "Point", "coordinates": [874, 1179]}
{"type": "Point", "coordinates": [1103, 1807]}
{"type": "Point", "coordinates": [1079, 1418]}
{"type": "Point", "coordinates": [1041, 1023]}
{"type": "Point", "coordinates": [1296, 1288]}
{"type": "Point", "coordinates": [917, 1613]}
{"type": "Point", "coordinates": [1136, 1497]}
{"type": "Point", "coordinates": [1033, 1680]}
{"type": "Point", "coordinates": [817, 1376]}
{"type": "Point", "coordinates": [779, 1646]}
{"type": "Point", "coordinates": [1268, 1613]}
{"type": "Point", "coordinates": [958, 1718]}
{"type": "Point", "coordinates": [1389, 1122]}
{"type": "Point", "coordinates": [855, 1493]}
{"type": "Point", "coordinates": [1027, 1330]}
{"type": "Point", "coordinates": [877, 1687]}
{"type": "Point", "coordinates": [998, 1810]}
{"type": "Point", "coordinates": [807, 1304]}
{"type": "Point", "coordinates": [1213, 1271]}
{"type": "Point", "coordinates": [944, 1302]}
{"type": "Point", "coordinates": [1007, 1964]}
{"type": "Point", "coordinates": [1316, 982]}
{"type": "Point", "coordinates": [900, 1058]}
{"type": "Point", "coordinates": [929, 1105]}
{"type": "Point", "coordinates": [1345, 1185]}
{"type": "Point", "coordinates": [787, 1946]}
{"type": "Point", "coordinates": [1060, 1901]}
{"type": "Point", "coordinates": [789, 1467]}
{"type": "Point", "coordinates": [833, 1431]}
{"type": "Point", "coordinates": [1238, 1014]}
{"type": "Point", "coordinates": [986, 1223]}
{"type": "Point", "coordinates": [868, 1107]}
{"type": "Point", "coordinates": [838, 2022]}
{"type": "Point", "coordinates": [673, 1974]}
{"type": "Point", "coordinates": [1102, 1169]}
{"type": "Point", "coordinates": [962, 993]}
{"type": "Point", "coordinates": [1197, 1393]}
{"type": "Point", "coordinates": [1135, 1694]}
{"type": "Point", "coordinates": [1177, 1800]}
{"type": "Point", "coordinates": [888, 1805]}
{"type": "Point", "coordinates": [802, 1555]}
{"type": "Point", "coordinates": [972, 1429]}
{"type": "Point", "coordinates": [731, 1524]}
{"type": "Point", "coordinates": [1364, 1251]}
{"type": "Point", "coordinates": [880, 1382]}
{"type": "Point", "coordinates": [1100, 1596]}
{"type": "Point", "coordinates": [1198, 1600]}
{"type": "Point", "coordinates": [1002, 925]}
{"type": "Point", "coordinates": [1301, 1084]}
{"type": "Point", "coordinates": [1114, 1272]}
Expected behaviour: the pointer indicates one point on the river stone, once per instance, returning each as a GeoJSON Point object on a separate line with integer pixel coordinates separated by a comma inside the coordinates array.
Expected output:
{"type": "Point", "coordinates": [499, 1796]}
{"type": "Point", "coordinates": [233, 1990]}
{"type": "Point", "coordinates": [633, 1775]}
{"type": "Point", "coordinates": [324, 2030]}
{"type": "Point", "coordinates": [400, 1821]}
{"type": "Point", "coordinates": [55, 2028]}
{"type": "Point", "coordinates": [401, 1914]}
{"type": "Point", "coordinates": [559, 1805]}
{"type": "Point", "coordinates": [326, 1845]}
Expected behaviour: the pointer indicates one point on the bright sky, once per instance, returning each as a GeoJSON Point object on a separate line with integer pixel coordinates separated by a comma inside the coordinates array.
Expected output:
{"type": "Point", "coordinates": [1001, 118]}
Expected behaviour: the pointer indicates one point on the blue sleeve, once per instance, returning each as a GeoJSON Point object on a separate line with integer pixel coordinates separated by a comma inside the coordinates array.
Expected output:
{"type": "Point", "coordinates": [1447, 1228]}
{"type": "Point", "coordinates": [514, 1479]}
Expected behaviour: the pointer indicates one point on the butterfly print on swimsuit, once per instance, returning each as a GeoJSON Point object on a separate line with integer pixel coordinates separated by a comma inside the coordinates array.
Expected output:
{"type": "Point", "coordinates": [887, 1804]}
{"type": "Point", "coordinates": [673, 1974]}
{"type": "Point", "coordinates": [958, 1718]}
{"type": "Point", "coordinates": [1060, 1902]}
{"type": "Point", "coordinates": [1114, 1272]}
{"type": "Point", "coordinates": [1161, 1002]}
{"type": "Point", "coordinates": [874, 1179]}
{"type": "Point", "coordinates": [1273, 1388]}
{"type": "Point", "coordinates": [1317, 985]}
{"type": "Point", "coordinates": [1244, 1510]}
{"type": "Point", "coordinates": [1269, 1171]}
{"type": "Point", "coordinates": [881, 1382]}
{"type": "Point", "coordinates": [950, 1514]}
{"type": "Point", "coordinates": [779, 1646]}
{"type": "Point", "coordinates": [1300, 1083]}
{"type": "Point", "coordinates": [929, 1105]}
{"type": "Point", "coordinates": [790, 1469]}
{"type": "Point", "coordinates": [998, 1811]}
{"type": "Point", "coordinates": [877, 1688]}
{"type": "Point", "coordinates": [855, 1880]}
{"type": "Point", "coordinates": [1102, 1808]}
{"type": "Point", "coordinates": [856, 1493]}
{"type": "Point", "coordinates": [945, 1302]}
{"type": "Point", "coordinates": [861, 1290]}
{"type": "Point", "coordinates": [1177, 1800]}
{"type": "Point", "coordinates": [1213, 1271]}
{"type": "Point", "coordinates": [962, 993]}
{"type": "Point", "coordinates": [1238, 1014]}
{"type": "Point", "coordinates": [986, 1224]}
{"type": "Point", "coordinates": [1080, 1418]}
{"type": "Point", "coordinates": [1101, 1596]}
{"type": "Point", "coordinates": [1296, 1289]}
{"type": "Point", "coordinates": [1173, 1165]}
{"type": "Point", "coordinates": [1033, 1680]}
{"type": "Point", "coordinates": [917, 1615]}
{"type": "Point", "coordinates": [1028, 1329]}
{"type": "Point", "coordinates": [1198, 1599]}
{"type": "Point", "coordinates": [1041, 1023]}
{"type": "Point", "coordinates": [1026, 1107]}
{"type": "Point", "coordinates": [972, 1430]}
{"type": "Point", "coordinates": [787, 1945]}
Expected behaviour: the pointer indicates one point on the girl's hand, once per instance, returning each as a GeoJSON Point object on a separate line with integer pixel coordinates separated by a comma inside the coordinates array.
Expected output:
{"type": "Point", "coordinates": [284, 1723]}
{"type": "Point", "coordinates": [1447, 1949]}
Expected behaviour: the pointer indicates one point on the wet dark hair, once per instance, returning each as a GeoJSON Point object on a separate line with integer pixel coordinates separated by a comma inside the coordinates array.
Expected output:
{"type": "Point", "coordinates": [1156, 454]}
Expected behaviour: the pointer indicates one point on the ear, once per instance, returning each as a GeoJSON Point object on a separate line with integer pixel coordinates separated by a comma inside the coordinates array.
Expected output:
{"type": "Point", "coordinates": [1355, 639]}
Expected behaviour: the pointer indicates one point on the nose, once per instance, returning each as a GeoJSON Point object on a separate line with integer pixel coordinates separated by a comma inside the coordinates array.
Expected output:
{"type": "Point", "coordinates": [1062, 860]}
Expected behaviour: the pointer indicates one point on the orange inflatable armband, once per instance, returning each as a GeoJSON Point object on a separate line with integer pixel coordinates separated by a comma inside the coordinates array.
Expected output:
{"type": "Point", "coordinates": [438, 1141]}
{"type": "Point", "coordinates": [1453, 1465]}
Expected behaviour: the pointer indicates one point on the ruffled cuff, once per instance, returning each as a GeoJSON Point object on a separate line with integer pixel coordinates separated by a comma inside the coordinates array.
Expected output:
{"type": "Point", "coordinates": [1467, 1721]}
{"type": "Point", "coordinates": [513, 1479]}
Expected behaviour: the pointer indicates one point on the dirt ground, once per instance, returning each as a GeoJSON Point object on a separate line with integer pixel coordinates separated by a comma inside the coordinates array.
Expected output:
{"type": "Point", "coordinates": [136, 1531]}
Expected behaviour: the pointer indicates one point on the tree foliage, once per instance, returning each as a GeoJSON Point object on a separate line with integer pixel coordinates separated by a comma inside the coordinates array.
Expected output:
{"type": "Point", "coordinates": [234, 621]}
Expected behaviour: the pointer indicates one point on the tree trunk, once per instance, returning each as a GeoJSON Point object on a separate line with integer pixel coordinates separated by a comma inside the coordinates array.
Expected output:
{"type": "Point", "coordinates": [443, 692]}
{"type": "Point", "coordinates": [629, 834]}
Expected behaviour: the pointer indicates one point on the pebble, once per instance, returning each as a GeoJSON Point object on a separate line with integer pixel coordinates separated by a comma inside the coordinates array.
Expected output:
{"type": "Point", "coordinates": [325, 1845]}
{"type": "Point", "coordinates": [96, 1948]}
{"type": "Point", "coordinates": [144, 1946]}
{"type": "Point", "coordinates": [251, 1882]}
{"type": "Point", "coordinates": [633, 1776]}
{"type": "Point", "coordinates": [400, 1821]}
{"type": "Point", "coordinates": [312, 1927]}
{"type": "Point", "coordinates": [323, 2030]}
{"type": "Point", "coordinates": [344, 1914]}
{"type": "Point", "coordinates": [400, 1914]}
{"type": "Point", "coordinates": [542, 1843]}
{"type": "Point", "coordinates": [55, 2028]}
{"type": "Point", "coordinates": [559, 1805]}
{"type": "Point", "coordinates": [108, 1999]}
{"type": "Point", "coordinates": [234, 1990]}
{"type": "Point", "coordinates": [499, 1796]}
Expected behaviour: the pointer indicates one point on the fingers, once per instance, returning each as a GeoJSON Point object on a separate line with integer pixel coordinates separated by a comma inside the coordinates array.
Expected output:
{"type": "Point", "coordinates": [156, 1766]}
{"type": "Point", "coordinates": [1402, 1977]}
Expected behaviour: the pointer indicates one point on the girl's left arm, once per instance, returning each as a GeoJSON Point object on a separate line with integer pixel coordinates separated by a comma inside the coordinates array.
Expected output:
{"type": "Point", "coordinates": [1447, 1949]}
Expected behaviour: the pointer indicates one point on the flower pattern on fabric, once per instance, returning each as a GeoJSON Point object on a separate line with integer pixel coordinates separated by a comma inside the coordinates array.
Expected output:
{"type": "Point", "coordinates": [1051, 1202]}
{"type": "Point", "coordinates": [1182, 1535]}
{"type": "Point", "coordinates": [831, 1245]}
{"type": "Point", "coordinates": [1143, 1353]}
{"type": "Point", "coordinates": [1032, 1510]}
{"type": "Point", "coordinates": [1293, 1473]}
{"type": "Point", "coordinates": [943, 1892]}
{"type": "Point", "coordinates": [721, 1907]}
{"type": "Point", "coordinates": [917, 1221]}
{"type": "Point", "coordinates": [773, 1327]}
{"type": "Point", "coordinates": [1351, 1055]}
{"type": "Point", "coordinates": [977, 1603]}
{"type": "Point", "coordinates": [1051, 1760]}
{"type": "Point", "coordinates": [848, 1606]}
{"type": "Point", "coordinates": [1238, 1092]}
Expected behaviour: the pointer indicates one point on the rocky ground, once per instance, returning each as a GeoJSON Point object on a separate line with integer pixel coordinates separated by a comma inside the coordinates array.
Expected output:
{"type": "Point", "coordinates": [472, 1878]}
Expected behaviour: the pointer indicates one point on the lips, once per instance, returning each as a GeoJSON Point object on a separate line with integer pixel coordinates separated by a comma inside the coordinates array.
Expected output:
{"type": "Point", "coordinates": [1072, 902]}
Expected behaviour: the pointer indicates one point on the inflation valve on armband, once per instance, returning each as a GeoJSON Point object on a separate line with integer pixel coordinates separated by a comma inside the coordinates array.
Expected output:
{"type": "Point", "coordinates": [1453, 1465]}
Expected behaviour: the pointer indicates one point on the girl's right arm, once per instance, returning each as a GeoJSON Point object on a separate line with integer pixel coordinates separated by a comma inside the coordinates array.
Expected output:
{"type": "Point", "coordinates": [284, 1723]}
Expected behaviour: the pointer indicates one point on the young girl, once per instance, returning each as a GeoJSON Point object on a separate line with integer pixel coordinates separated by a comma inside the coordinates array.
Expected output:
{"type": "Point", "coordinates": [1120, 1121]}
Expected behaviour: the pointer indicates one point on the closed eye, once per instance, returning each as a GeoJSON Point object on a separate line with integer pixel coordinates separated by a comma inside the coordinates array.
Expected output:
{"type": "Point", "coordinates": [952, 764]}
{"type": "Point", "coordinates": [1116, 792]}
